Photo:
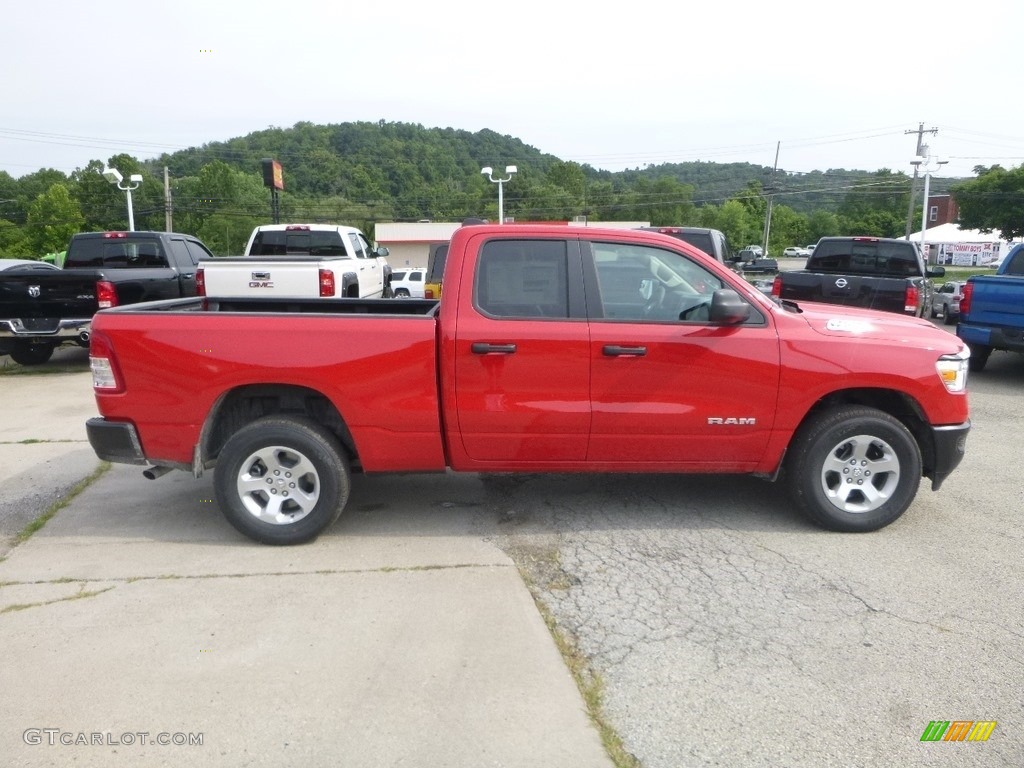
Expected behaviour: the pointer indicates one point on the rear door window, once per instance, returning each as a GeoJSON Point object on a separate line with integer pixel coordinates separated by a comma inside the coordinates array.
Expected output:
{"type": "Point", "coordinates": [523, 278]}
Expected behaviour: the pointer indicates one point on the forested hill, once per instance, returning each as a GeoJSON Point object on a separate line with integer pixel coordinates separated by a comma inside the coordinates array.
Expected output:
{"type": "Point", "coordinates": [362, 173]}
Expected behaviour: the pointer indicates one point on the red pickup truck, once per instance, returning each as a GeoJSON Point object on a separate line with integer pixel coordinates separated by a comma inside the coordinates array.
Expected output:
{"type": "Point", "coordinates": [553, 350]}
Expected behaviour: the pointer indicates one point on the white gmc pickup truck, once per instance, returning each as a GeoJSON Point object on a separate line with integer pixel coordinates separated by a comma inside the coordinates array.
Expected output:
{"type": "Point", "coordinates": [300, 261]}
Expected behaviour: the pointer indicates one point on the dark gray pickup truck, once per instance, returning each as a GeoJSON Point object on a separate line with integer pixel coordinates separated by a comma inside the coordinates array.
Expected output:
{"type": "Point", "coordinates": [871, 272]}
{"type": "Point", "coordinates": [40, 310]}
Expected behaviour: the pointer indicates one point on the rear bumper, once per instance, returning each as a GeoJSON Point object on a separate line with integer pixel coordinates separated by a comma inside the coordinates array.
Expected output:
{"type": "Point", "coordinates": [1010, 339]}
{"type": "Point", "coordinates": [950, 444]}
{"type": "Point", "coordinates": [115, 441]}
{"type": "Point", "coordinates": [45, 328]}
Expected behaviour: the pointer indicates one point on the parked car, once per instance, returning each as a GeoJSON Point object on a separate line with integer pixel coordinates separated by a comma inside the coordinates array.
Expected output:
{"type": "Point", "coordinates": [27, 264]}
{"type": "Point", "coordinates": [797, 251]}
{"type": "Point", "coordinates": [946, 301]}
{"type": "Point", "coordinates": [757, 250]}
{"type": "Point", "coordinates": [810, 248]}
{"type": "Point", "coordinates": [408, 283]}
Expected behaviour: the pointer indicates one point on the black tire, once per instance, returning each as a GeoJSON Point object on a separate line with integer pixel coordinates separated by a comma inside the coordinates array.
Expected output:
{"type": "Point", "coordinates": [401, 293]}
{"type": "Point", "coordinates": [853, 469]}
{"type": "Point", "coordinates": [387, 293]}
{"type": "Point", "coordinates": [948, 318]}
{"type": "Point", "coordinates": [32, 354]}
{"type": "Point", "coordinates": [933, 313]}
{"type": "Point", "coordinates": [979, 356]}
{"type": "Point", "coordinates": [264, 453]}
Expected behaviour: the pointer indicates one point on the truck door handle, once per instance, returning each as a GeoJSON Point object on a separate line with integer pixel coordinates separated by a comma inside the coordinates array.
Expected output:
{"type": "Point", "coordinates": [189, 275]}
{"type": "Point", "coordinates": [483, 348]}
{"type": "Point", "coordinates": [613, 350]}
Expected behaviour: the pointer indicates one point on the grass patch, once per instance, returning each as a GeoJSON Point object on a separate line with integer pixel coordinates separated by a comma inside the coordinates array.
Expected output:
{"type": "Point", "coordinates": [26, 533]}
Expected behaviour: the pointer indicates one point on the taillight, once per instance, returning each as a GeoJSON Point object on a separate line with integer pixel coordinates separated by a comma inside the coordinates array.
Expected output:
{"type": "Point", "coordinates": [297, 228]}
{"type": "Point", "coordinates": [965, 300]}
{"type": "Point", "coordinates": [777, 287]}
{"type": "Point", "coordinates": [106, 294]}
{"type": "Point", "coordinates": [106, 377]}
{"type": "Point", "coordinates": [326, 284]}
{"type": "Point", "coordinates": [428, 293]}
{"type": "Point", "coordinates": [115, 235]}
{"type": "Point", "coordinates": [200, 282]}
{"type": "Point", "coordinates": [910, 299]}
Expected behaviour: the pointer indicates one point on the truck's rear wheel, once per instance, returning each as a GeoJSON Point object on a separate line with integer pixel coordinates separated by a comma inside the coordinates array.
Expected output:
{"type": "Point", "coordinates": [854, 469]}
{"type": "Point", "coordinates": [282, 480]}
{"type": "Point", "coordinates": [31, 354]}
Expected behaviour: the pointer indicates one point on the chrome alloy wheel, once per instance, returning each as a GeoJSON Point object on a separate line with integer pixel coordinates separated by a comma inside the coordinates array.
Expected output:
{"type": "Point", "coordinates": [860, 474]}
{"type": "Point", "coordinates": [278, 485]}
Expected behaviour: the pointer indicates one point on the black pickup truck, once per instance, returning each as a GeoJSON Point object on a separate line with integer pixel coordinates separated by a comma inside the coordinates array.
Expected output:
{"type": "Point", "coordinates": [871, 272]}
{"type": "Point", "coordinates": [40, 310]}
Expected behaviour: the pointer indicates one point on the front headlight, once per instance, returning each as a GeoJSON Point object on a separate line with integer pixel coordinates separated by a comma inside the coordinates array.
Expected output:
{"type": "Point", "coordinates": [952, 369]}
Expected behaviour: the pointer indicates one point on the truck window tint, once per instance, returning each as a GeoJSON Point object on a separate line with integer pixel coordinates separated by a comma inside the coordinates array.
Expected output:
{"type": "Point", "coordinates": [358, 245]}
{"type": "Point", "coordinates": [282, 243]}
{"type": "Point", "coordinates": [699, 240]}
{"type": "Point", "coordinates": [197, 251]}
{"type": "Point", "coordinates": [116, 254]}
{"type": "Point", "coordinates": [1016, 265]}
{"type": "Point", "coordinates": [864, 256]}
{"type": "Point", "coordinates": [181, 252]}
{"type": "Point", "coordinates": [523, 278]}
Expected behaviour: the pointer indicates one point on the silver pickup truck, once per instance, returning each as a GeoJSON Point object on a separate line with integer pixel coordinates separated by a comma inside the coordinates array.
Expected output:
{"type": "Point", "coordinates": [300, 261]}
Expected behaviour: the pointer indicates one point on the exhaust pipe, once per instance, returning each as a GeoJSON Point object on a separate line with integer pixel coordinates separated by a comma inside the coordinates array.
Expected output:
{"type": "Point", "coordinates": [83, 337]}
{"type": "Point", "coordinates": [154, 472]}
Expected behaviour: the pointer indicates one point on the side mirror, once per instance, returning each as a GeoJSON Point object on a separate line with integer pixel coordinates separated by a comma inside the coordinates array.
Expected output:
{"type": "Point", "coordinates": [935, 272]}
{"type": "Point", "coordinates": [382, 251]}
{"type": "Point", "coordinates": [727, 308]}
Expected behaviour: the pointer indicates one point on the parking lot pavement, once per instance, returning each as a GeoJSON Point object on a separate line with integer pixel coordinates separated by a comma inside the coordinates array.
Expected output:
{"type": "Point", "coordinates": [43, 447]}
{"type": "Point", "coordinates": [728, 631]}
{"type": "Point", "coordinates": [401, 637]}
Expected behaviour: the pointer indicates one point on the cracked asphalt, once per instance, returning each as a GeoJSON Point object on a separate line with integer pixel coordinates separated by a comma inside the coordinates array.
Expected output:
{"type": "Point", "coordinates": [728, 631]}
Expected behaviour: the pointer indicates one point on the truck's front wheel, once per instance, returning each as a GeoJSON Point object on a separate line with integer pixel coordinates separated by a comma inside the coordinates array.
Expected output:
{"type": "Point", "coordinates": [282, 480]}
{"type": "Point", "coordinates": [854, 469]}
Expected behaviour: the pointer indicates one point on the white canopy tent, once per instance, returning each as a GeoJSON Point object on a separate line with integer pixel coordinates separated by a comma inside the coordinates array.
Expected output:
{"type": "Point", "coordinates": [951, 233]}
{"type": "Point", "coordinates": [949, 244]}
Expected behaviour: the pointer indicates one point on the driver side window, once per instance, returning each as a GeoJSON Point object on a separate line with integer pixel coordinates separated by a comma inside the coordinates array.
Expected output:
{"type": "Point", "coordinates": [651, 284]}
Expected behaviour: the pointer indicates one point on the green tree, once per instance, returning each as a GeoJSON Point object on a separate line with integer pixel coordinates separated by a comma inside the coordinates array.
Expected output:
{"type": "Point", "coordinates": [994, 201]}
{"type": "Point", "coordinates": [53, 217]}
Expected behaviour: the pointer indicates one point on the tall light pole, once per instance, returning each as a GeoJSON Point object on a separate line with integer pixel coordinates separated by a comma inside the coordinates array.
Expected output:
{"type": "Point", "coordinates": [488, 172]}
{"type": "Point", "coordinates": [925, 164]}
{"type": "Point", "coordinates": [114, 177]}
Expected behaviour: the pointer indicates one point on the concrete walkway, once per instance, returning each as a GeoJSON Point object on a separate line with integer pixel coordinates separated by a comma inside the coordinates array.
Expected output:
{"type": "Point", "coordinates": [401, 637]}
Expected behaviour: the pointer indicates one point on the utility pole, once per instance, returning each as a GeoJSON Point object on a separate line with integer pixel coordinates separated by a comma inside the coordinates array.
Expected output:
{"type": "Point", "coordinates": [167, 201]}
{"type": "Point", "coordinates": [768, 213]}
{"type": "Point", "coordinates": [922, 149]}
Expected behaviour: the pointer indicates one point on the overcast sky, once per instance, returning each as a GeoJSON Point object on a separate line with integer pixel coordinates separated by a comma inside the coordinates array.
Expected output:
{"type": "Point", "coordinates": [616, 86]}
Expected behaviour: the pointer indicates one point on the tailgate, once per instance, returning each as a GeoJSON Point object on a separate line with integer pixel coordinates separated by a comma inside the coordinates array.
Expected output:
{"type": "Point", "coordinates": [40, 300]}
{"type": "Point", "coordinates": [848, 290]}
{"type": "Point", "coordinates": [997, 300]}
{"type": "Point", "coordinates": [271, 279]}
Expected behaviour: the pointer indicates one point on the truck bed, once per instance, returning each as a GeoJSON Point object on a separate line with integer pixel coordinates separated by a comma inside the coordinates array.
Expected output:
{"type": "Point", "coordinates": [380, 373]}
